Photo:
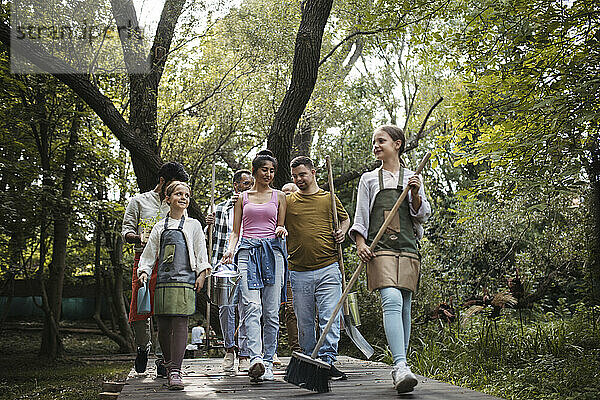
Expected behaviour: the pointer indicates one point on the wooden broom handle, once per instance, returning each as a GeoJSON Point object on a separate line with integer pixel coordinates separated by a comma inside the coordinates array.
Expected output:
{"type": "Point", "coordinates": [335, 228]}
{"type": "Point", "coordinates": [354, 277]}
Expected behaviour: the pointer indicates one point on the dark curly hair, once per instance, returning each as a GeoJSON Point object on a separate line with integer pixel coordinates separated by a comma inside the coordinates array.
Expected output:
{"type": "Point", "coordinates": [302, 160]}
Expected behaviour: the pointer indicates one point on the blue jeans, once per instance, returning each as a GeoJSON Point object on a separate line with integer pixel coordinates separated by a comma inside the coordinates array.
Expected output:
{"type": "Point", "coordinates": [396, 320]}
{"type": "Point", "coordinates": [263, 303]}
{"type": "Point", "coordinates": [321, 289]}
{"type": "Point", "coordinates": [228, 327]}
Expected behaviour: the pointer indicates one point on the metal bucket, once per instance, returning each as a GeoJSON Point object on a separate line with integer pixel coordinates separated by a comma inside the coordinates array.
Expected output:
{"type": "Point", "coordinates": [353, 308]}
{"type": "Point", "coordinates": [224, 287]}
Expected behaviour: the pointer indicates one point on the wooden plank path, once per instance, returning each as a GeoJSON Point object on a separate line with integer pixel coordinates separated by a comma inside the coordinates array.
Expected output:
{"type": "Point", "coordinates": [204, 379]}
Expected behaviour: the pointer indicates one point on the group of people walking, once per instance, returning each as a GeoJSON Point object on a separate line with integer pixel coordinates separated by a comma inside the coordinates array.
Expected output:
{"type": "Point", "coordinates": [285, 248]}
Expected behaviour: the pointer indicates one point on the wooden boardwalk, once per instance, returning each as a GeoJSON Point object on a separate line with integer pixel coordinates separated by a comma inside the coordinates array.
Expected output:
{"type": "Point", "coordinates": [204, 379]}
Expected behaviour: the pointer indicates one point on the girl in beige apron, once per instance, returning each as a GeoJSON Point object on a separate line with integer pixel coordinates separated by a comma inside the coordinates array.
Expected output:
{"type": "Point", "coordinates": [393, 267]}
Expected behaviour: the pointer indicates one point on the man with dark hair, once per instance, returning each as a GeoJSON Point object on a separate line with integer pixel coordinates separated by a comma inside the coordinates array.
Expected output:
{"type": "Point", "coordinates": [142, 212]}
{"type": "Point", "coordinates": [315, 274]}
{"type": "Point", "coordinates": [223, 225]}
{"type": "Point", "coordinates": [169, 172]}
{"type": "Point", "coordinates": [302, 160]}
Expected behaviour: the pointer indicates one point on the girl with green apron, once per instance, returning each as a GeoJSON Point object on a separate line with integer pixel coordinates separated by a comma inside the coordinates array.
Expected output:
{"type": "Point", "coordinates": [178, 262]}
{"type": "Point", "coordinates": [394, 265]}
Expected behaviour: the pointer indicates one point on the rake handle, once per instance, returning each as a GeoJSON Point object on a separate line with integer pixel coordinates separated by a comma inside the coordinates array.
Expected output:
{"type": "Point", "coordinates": [335, 227]}
{"type": "Point", "coordinates": [354, 277]}
{"type": "Point", "coordinates": [210, 248]}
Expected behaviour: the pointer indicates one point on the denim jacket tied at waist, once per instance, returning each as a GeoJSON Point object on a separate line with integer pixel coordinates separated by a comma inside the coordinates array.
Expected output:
{"type": "Point", "coordinates": [261, 261]}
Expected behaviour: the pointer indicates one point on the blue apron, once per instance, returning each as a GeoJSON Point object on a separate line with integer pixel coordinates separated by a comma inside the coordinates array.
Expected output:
{"type": "Point", "coordinates": [174, 295]}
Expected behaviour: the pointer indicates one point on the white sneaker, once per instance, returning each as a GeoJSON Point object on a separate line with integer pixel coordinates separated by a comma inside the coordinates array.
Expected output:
{"type": "Point", "coordinates": [228, 361]}
{"type": "Point", "coordinates": [268, 375]}
{"type": "Point", "coordinates": [276, 360]}
{"type": "Point", "coordinates": [244, 365]}
{"type": "Point", "coordinates": [404, 379]}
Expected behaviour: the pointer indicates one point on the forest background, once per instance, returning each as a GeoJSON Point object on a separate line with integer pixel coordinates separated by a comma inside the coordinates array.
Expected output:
{"type": "Point", "coordinates": [509, 299]}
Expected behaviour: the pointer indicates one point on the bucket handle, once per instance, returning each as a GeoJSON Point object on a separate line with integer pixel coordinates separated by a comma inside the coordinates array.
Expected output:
{"type": "Point", "coordinates": [234, 288]}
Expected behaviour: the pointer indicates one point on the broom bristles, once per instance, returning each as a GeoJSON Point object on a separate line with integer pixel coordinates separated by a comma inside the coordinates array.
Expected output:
{"type": "Point", "coordinates": [308, 373]}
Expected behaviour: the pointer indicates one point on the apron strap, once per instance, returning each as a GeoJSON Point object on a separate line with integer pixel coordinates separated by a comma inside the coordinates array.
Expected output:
{"type": "Point", "coordinates": [401, 178]}
{"type": "Point", "coordinates": [180, 227]}
{"type": "Point", "coordinates": [167, 222]}
{"type": "Point", "coordinates": [380, 179]}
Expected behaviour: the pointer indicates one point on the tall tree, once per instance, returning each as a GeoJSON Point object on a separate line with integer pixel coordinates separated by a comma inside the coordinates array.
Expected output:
{"type": "Point", "coordinates": [139, 134]}
{"type": "Point", "coordinates": [305, 68]}
{"type": "Point", "coordinates": [51, 343]}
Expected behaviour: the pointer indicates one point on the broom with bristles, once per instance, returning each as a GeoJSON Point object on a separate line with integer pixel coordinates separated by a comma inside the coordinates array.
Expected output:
{"type": "Point", "coordinates": [308, 372]}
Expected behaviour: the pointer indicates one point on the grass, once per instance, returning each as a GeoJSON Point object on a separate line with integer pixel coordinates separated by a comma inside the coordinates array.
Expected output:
{"type": "Point", "coordinates": [23, 375]}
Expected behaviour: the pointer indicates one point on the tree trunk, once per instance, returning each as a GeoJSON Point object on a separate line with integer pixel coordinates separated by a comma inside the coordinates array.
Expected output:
{"type": "Point", "coordinates": [51, 346]}
{"type": "Point", "coordinates": [303, 137]}
{"type": "Point", "coordinates": [112, 290]}
{"type": "Point", "coordinates": [594, 260]}
{"type": "Point", "coordinates": [125, 342]}
{"type": "Point", "coordinates": [304, 76]}
{"type": "Point", "coordinates": [117, 295]}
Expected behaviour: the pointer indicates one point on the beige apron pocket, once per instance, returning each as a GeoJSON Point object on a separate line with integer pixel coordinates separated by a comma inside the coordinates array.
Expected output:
{"type": "Point", "coordinates": [394, 270]}
{"type": "Point", "coordinates": [408, 273]}
{"type": "Point", "coordinates": [174, 299]}
{"type": "Point", "coordinates": [381, 272]}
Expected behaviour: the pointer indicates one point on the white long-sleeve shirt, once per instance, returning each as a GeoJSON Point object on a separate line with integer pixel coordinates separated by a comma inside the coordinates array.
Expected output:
{"type": "Point", "coordinates": [143, 209]}
{"type": "Point", "coordinates": [194, 236]}
{"type": "Point", "coordinates": [368, 187]}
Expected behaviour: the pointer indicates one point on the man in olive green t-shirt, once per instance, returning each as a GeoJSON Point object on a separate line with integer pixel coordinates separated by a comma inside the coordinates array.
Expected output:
{"type": "Point", "coordinates": [315, 275]}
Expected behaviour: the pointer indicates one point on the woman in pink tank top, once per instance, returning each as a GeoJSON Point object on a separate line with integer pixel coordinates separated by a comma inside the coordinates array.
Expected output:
{"type": "Point", "coordinates": [262, 261]}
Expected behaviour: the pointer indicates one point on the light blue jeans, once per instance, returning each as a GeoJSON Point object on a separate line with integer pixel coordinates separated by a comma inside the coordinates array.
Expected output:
{"type": "Point", "coordinates": [321, 289]}
{"type": "Point", "coordinates": [396, 320]}
{"type": "Point", "coordinates": [261, 303]}
{"type": "Point", "coordinates": [228, 327]}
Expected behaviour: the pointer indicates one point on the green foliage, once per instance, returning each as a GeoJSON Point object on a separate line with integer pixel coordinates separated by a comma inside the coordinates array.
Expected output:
{"type": "Point", "coordinates": [527, 108]}
{"type": "Point", "coordinates": [548, 357]}
{"type": "Point", "coordinates": [485, 244]}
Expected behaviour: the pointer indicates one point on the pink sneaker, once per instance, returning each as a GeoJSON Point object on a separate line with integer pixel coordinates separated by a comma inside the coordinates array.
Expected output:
{"type": "Point", "coordinates": [175, 381]}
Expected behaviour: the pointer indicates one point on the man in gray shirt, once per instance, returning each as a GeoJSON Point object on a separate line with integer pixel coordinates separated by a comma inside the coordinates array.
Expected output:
{"type": "Point", "coordinates": [142, 212]}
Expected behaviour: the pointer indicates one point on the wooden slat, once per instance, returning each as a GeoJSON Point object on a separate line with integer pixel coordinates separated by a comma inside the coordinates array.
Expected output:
{"type": "Point", "coordinates": [204, 379]}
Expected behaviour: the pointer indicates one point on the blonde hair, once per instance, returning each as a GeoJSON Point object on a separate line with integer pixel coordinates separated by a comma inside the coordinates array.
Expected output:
{"type": "Point", "coordinates": [173, 185]}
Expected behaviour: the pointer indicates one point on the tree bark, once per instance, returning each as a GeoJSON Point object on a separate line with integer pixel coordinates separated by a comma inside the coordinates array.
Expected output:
{"type": "Point", "coordinates": [593, 264]}
{"type": "Point", "coordinates": [303, 137]}
{"type": "Point", "coordinates": [144, 86]}
{"type": "Point", "coordinates": [304, 76]}
{"type": "Point", "coordinates": [123, 338]}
